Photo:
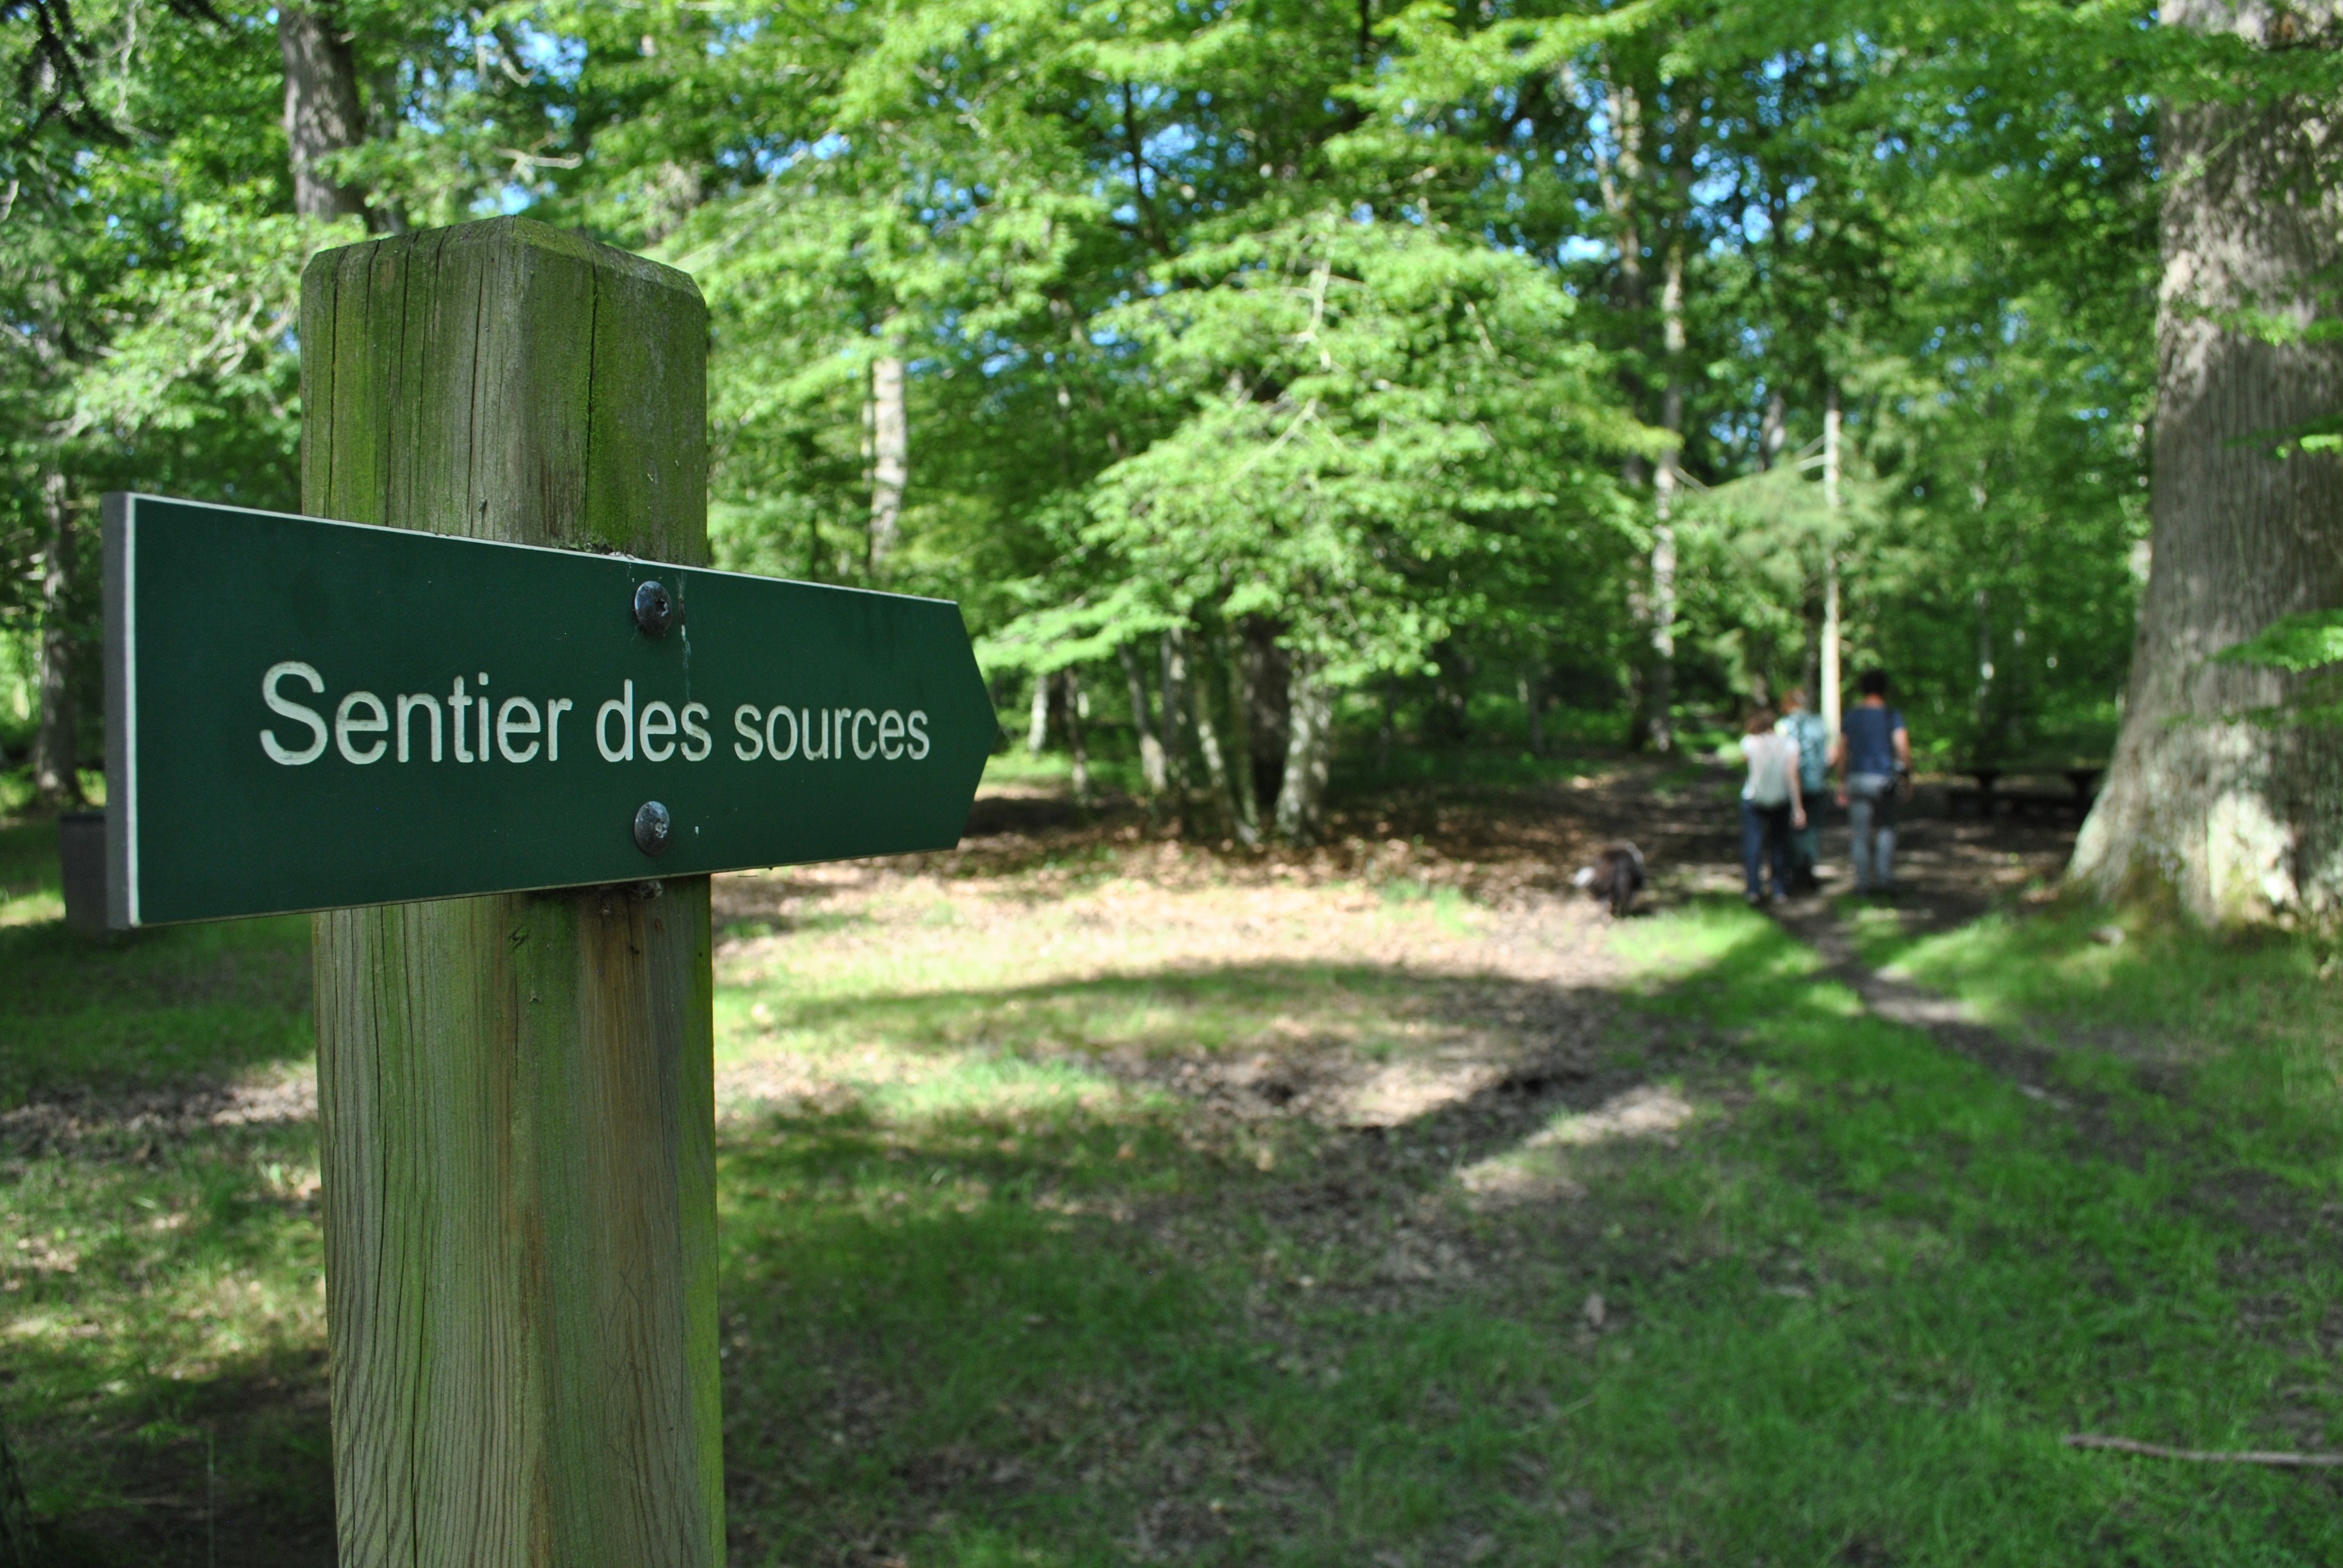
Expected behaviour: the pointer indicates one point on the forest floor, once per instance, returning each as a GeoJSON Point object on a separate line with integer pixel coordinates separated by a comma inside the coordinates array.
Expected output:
{"type": "Point", "coordinates": [1088, 1197]}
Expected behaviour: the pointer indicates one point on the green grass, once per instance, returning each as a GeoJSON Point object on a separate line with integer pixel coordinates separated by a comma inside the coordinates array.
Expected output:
{"type": "Point", "coordinates": [1006, 1294]}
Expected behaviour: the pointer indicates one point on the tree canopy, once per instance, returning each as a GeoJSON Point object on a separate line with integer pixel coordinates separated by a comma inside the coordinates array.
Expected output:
{"type": "Point", "coordinates": [1466, 366]}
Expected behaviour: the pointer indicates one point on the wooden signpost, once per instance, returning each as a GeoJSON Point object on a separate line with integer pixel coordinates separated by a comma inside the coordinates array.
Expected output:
{"type": "Point", "coordinates": [514, 1086]}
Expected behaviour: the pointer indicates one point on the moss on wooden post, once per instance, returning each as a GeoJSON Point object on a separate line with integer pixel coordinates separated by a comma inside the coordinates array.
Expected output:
{"type": "Point", "coordinates": [515, 1095]}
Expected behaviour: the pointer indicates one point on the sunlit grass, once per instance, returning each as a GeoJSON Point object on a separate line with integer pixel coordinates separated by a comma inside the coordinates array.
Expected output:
{"type": "Point", "coordinates": [1772, 1279]}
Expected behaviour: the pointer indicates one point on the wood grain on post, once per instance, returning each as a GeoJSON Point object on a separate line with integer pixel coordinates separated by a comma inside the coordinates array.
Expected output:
{"type": "Point", "coordinates": [515, 1091]}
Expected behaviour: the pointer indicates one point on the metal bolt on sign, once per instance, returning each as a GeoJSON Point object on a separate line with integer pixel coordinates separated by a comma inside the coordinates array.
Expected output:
{"type": "Point", "coordinates": [652, 827]}
{"type": "Point", "coordinates": [653, 608]}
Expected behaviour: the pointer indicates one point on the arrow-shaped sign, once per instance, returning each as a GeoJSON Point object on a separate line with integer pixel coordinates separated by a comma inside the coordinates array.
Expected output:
{"type": "Point", "coordinates": [304, 714]}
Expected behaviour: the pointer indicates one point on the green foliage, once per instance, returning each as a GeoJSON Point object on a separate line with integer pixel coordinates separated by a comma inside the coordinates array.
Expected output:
{"type": "Point", "coordinates": [1091, 234]}
{"type": "Point", "coordinates": [2311, 640]}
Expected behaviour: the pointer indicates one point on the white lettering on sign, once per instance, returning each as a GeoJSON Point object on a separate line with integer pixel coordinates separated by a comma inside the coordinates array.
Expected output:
{"type": "Point", "coordinates": [287, 707]}
{"type": "Point", "coordinates": [408, 703]}
{"type": "Point", "coordinates": [624, 712]}
{"type": "Point", "coordinates": [518, 718]}
{"type": "Point", "coordinates": [366, 728]}
{"type": "Point", "coordinates": [346, 724]}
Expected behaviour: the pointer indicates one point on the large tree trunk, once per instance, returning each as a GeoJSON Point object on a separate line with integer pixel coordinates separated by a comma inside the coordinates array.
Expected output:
{"type": "Point", "coordinates": [57, 780]}
{"type": "Point", "coordinates": [2238, 818]}
{"type": "Point", "coordinates": [322, 115]}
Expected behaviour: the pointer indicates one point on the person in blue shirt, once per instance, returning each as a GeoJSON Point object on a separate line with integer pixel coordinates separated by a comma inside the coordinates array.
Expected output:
{"type": "Point", "coordinates": [1806, 731]}
{"type": "Point", "coordinates": [1873, 757]}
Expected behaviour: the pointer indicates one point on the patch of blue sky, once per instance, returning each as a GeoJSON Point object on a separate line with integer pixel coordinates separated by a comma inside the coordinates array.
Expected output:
{"type": "Point", "coordinates": [558, 55]}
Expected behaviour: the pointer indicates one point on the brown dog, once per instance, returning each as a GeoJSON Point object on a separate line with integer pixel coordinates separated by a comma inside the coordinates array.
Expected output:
{"type": "Point", "coordinates": [1614, 879]}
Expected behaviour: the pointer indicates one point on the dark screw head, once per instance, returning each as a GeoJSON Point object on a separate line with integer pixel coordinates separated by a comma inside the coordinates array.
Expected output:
{"type": "Point", "coordinates": [653, 826]}
{"type": "Point", "coordinates": [653, 608]}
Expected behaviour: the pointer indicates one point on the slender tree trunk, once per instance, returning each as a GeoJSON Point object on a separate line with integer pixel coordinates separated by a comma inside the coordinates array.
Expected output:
{"type": "Point", "coordinates": [1309, 752]}
{"type": "Point", "coordinates": [1070, 694]}
{"type": "Point", "coordinates": [1175, 651]}
{"type": "Point", "coordinates": [1830, 681]}
{"type": "Point", "coordinates": [1037, 721]}
{"type": "Point", "coordinates": [1241, 791]}
{"type": "Point", "coordinates": [57, 780]}
{"type": "Point", "coordinates": [1265, 675]}
{"type": "Point", "coordinates": [1387, 731]}
{"type": "Point", "coordinates": [1660, 686]}
{"type": "Point", "coordinates": [890, 459]}
{"type": "Point", "coordinates": [2239, 818]}
{"type": "Point", "coordinates": [1150, 751]}
{"type": "Point", "coordinates": [1534, 701]}
{"type": "Point", "coordinates": [322, 115]}
{"type": "Point", "coordinates": [1773, 431]}
{"type": "Point", "coordinates": [1981, 703]}
{"type": "Point", "coordinates": [1208, 744]}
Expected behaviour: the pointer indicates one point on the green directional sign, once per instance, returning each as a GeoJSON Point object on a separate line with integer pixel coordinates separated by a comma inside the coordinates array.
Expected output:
{"type": "Point", "coordinates": [305, 714]}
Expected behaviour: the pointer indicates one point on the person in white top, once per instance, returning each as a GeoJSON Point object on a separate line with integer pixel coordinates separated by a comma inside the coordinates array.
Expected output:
{"type": "Point", "coordinates": [1771, 805]}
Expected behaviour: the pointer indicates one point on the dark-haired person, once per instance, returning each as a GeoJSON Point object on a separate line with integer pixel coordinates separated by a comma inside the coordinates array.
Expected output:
{"type": "Point", "coordinates": [1874, 756]}
{"type": "Point", "coordinates": [1771, 806]}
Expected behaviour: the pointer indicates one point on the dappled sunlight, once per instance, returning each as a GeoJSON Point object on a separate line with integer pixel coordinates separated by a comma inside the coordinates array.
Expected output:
{"type": "Point", "coordinates": [31, 909]}
{"type": "Point", "coordinates": [1539, 1168]}
{"type": "Point", "coordinates": [1648, 1111]}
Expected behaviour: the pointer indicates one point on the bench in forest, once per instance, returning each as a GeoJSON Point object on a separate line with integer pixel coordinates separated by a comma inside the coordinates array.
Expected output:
{"type": "Point", "coordinates": [1989, 795]}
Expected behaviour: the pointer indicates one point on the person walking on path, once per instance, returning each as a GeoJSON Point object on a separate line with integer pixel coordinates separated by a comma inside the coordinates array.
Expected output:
{"type": "Point", "coordinates": [1806, 730]}
{"type": "Point", "coordinates": [1771, 805]}
{"type": "Point", "coordinates": [1874, 756]}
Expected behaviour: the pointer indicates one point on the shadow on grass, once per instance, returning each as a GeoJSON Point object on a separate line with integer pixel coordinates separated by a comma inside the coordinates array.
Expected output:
{"type": "Point", "coordinates": [1845, 1315]}
{"type": "Point", "coordinates": [1839, 1311]}
{"type": "Point", "coordinates": [149, 1008]}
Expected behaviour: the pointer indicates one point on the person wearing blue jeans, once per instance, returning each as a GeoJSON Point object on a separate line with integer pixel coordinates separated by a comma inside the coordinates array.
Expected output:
{"type": "Point", "coordinates": [1771, 805]}
{"type": "Point", "coordinates": [1874, 756]}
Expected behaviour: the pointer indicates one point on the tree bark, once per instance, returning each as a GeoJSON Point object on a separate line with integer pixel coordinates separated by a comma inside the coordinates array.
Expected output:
{"type": "Point", "coordinates": [1037, 717]}
{"type": "Point", "coordinates": [1150, 751]}
{"type": "Point", "coordinates": [1216, 769]}
{"type": "Point", "coordinates": [1236, 655]}
{"type": "Point", "coordinates": [891, 458]}
{"type": "Point", "coordinates": [57, 778]}
{"type": "Point", "coordinates": [1174, 649]}
{"type": "Point", "coordinates": [1309, 752]}
{"type": "Point", "coordinates": [322, 115]}
{"type": "Point", "coordinates": [1831, 676]}
{"type": "Point", "coordinates": [1265, 681]}
{"type": "Point", "coordinates": [1660, 686]}
{"type": "Point", "coordinates": [1773, 431]}
{"type": "Point", "coordinates": [1070, 693]}
{"type": "Point", "coordinates": [2238, 818]}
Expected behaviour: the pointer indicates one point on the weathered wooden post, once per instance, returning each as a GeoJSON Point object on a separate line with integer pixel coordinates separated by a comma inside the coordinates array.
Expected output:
{"type": "Point", "coordinates": [516, 1090]}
